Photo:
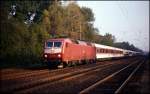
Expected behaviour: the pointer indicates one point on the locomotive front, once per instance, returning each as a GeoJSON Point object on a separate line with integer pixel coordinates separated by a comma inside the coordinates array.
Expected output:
{"type": "Point", "coordinates": [53, 52]}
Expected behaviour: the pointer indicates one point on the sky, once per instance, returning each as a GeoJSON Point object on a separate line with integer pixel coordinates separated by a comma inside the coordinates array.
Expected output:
{"type": "Point", "coordinates": [127, 20]}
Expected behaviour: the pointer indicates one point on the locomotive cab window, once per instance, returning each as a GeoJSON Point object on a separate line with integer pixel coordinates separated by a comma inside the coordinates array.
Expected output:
{"type": "Point", "coordinates": [57, 44]}
{"type": "Point", "coordinates": [49, 44]}
{"type": "Point", "coordinates": [66, 44]}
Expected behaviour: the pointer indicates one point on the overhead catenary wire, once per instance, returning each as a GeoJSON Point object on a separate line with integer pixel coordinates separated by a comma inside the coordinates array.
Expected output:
{"type": "Point", "coordinates": [125, 13]}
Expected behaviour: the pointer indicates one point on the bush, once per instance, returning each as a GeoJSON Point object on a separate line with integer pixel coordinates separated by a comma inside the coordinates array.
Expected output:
{"type": "Point", "coordinates": [21, 46]}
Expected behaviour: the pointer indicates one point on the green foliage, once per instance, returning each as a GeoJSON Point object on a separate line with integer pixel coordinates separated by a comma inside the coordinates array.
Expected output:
{"type": "Point", "coordinates": [20, 45]}
{"type": "Point", "coordinates": [75, 23]}
{"type": "Point", "coordinates": [88, 14]}
{"type": "Point", "coordinates": [108, 39]}
{"type": "Point", "coordinates": [126, 45]}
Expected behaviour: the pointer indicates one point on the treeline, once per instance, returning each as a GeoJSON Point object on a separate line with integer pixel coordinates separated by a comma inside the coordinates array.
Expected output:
{"type": "Point", "coordinates": [126, 45]}
{"type": "Point", "coordinates": [25, 25]}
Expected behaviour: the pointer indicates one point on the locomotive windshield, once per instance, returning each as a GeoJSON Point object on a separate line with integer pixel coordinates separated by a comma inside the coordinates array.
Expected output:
{"type": "Point", "coordinates": [53, 44]}
{"type": "Point", "coordinates": [49, 44]}
{"type": "Point", "coordinates": [57, 44]}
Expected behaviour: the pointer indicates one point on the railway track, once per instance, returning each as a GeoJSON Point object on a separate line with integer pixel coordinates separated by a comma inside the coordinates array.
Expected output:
{"type": "Point", "coordinates": [25, 74]}
{"type": "Point", "coordinates": [9, 74]}
{"type": "Point", "coordinates": [53, 77]}
{"type": "Point", "coordinates": [44, 79]}
{"type": "Point", "coordinates": [21, 74]}
{"type": "Point", "coordinates": [139, 84]}
{"type": "Point", "coordinates": [114, 83]}
{"type": "Point", "coordinates": [67, 78]}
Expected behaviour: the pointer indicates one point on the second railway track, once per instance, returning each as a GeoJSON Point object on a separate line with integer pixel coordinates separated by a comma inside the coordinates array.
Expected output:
{"type": "Point", "coordinates": [114, 83]}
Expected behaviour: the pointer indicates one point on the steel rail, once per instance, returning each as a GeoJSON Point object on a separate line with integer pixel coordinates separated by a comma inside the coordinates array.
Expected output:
{"type": "Point", "coordinates": [127, 80]}
{"type": "Point", "coordinates": [85, 91]}
{"type": "Point", "coordinates": [67, 78]}
{"type": "Point", "coordinates": [52, 79]}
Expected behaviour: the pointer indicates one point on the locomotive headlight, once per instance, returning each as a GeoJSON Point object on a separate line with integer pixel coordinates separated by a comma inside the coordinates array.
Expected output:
{"type": "Point", "coordinates": [45, 56]}
{"type": "Point", "coordinates": [59, 55]}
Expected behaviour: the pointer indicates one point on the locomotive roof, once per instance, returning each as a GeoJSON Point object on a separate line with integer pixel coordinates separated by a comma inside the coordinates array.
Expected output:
{"type": "Point", "coordinates": [72, 41]}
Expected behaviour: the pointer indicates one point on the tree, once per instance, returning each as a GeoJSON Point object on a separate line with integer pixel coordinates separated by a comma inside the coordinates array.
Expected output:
{"type": "Point", "coordinates": [53, 19]}
{"type": "Point", "coordinates": [127, 46]}
{"type": "Point", "coordinates": [108, 39]}
{"type": "Point", "coordinates": [89, 30]}
{"type": "Point", "coordinates": [20, 45]}
{"type": "Point", "coordinates": [75, 21]}
{"type": "Point", "coordinates": [25, 10]}
{"type": "Point", "coordinates": [88, 14]}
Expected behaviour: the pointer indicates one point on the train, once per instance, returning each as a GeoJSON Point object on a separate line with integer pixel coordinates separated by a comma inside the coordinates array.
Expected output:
{"type": "Point", "coordinates": [63, 52]}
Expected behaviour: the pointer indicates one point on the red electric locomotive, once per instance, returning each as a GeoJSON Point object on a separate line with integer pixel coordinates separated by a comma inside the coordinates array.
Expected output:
{"type": "Point", "coordinates": [64, 51]}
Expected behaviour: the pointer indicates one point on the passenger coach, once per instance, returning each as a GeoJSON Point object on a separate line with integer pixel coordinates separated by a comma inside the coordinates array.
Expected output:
{"type": "Point", "coordinates": [103, 51]}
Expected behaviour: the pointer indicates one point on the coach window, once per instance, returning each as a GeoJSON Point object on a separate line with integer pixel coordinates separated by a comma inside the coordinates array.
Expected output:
{"type": "Point", "coordinates": [111, 51]}
{"type": "Point", "coordinates": [101, 50]}
{"type": "Point", "coordinates": [104, 50]}
{"type": "Point", "coordinates": [97, 51]}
